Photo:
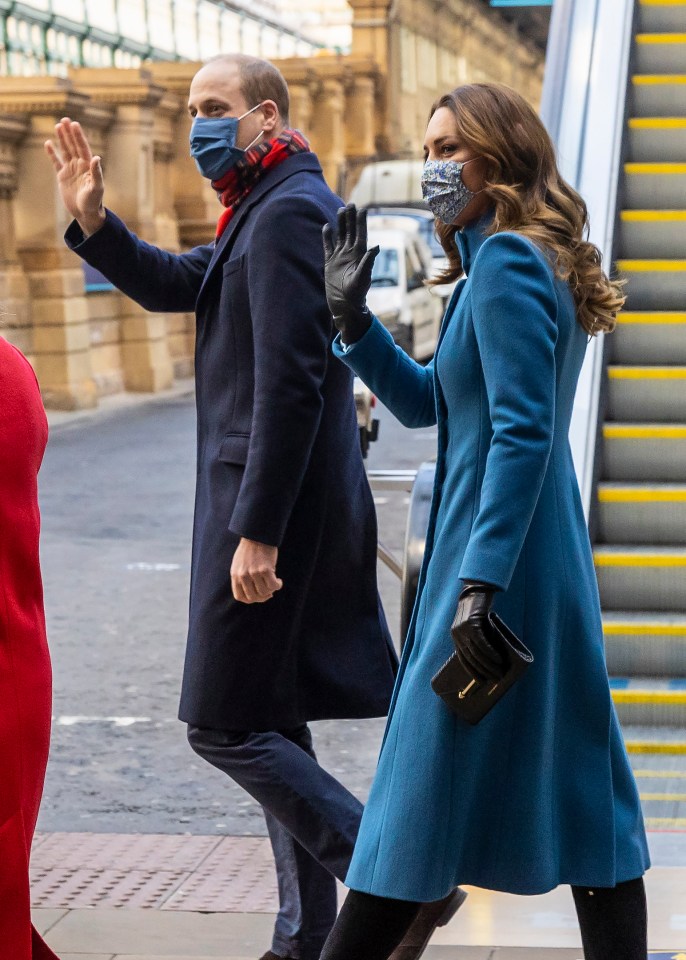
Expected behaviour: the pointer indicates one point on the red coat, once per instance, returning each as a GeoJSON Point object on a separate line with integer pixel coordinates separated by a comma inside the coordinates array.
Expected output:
{"type": "Point", "coordinates": [25, 675]}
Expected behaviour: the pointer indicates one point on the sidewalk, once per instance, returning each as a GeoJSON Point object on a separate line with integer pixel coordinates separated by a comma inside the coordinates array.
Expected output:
{"type": "Point", "coordinates": [135, 897]}
{"type": "Point", "coordinates": [109, 405]}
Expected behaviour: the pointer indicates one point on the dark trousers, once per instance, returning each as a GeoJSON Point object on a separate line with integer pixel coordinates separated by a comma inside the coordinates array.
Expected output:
{"type": "Point", "coordinates": [312, 821]}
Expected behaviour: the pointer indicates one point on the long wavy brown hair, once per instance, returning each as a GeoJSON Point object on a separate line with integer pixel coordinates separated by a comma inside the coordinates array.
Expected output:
{"type": "Point", "coordinates": [529, 196]}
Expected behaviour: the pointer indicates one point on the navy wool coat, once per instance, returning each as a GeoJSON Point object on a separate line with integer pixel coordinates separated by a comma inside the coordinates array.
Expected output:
{"type": "Point", "coordinates": [278, 462]}
{"type": "Point", "coordinates": [540, 792]}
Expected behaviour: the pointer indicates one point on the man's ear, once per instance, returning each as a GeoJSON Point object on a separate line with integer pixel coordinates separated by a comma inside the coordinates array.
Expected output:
{"type": "Point", "coordinates": [272, 117]}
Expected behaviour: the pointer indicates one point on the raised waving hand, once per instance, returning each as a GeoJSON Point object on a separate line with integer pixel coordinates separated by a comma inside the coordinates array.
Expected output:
{"type": "Point", "coordinates": [348, 269]}
{"type": "Point", "coordinates": [79, 175]}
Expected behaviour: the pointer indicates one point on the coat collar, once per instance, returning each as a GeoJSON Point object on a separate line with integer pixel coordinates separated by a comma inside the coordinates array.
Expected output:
{"type": "Point", "coordinates": [469, 239]}
{"type": "Point", "coordinates": [298, 163]}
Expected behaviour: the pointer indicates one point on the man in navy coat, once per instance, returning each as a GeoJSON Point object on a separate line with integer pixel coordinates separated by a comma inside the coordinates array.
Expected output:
{"type": "Point", "coordinates": [286, 625]}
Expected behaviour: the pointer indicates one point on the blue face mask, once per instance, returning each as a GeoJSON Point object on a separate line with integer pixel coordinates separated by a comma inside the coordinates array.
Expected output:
{"type": "Point", "coordinates": [444, 189]}
{"type": "Point", "coordinates": [213, 144]}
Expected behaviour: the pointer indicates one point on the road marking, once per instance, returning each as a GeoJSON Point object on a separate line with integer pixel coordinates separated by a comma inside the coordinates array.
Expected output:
{"type": "Point", "coordinates": [72, 721]}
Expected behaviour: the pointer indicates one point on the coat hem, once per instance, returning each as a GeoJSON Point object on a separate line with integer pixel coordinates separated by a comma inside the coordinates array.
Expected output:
{"type": "Point", "coordinates": [280, 723]}
{"type": "Point", "coordinates": [467, 879]}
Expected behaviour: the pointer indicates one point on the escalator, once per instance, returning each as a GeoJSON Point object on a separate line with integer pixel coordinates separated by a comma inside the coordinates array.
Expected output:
{"type": "Point", "coordinates": [640, 499]}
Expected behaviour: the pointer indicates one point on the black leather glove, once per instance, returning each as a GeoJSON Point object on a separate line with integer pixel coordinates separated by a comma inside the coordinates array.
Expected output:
{"type": "Point", "coordinates": [348, 273]}
{"type": "Point", "coordinates": [470, 633]}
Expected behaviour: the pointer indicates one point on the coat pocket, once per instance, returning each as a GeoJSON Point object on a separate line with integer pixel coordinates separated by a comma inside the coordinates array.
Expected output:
{"type": "Point", "coordinates": [231, 266]}
{"type": "Point", "coordinates": [234, 448]}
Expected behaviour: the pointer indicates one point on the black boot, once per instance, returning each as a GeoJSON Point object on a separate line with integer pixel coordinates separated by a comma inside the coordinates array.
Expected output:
{"type": "Point", "coordinates": [613, 921]}
{"type": "Point", "coordinates": [369, 927]}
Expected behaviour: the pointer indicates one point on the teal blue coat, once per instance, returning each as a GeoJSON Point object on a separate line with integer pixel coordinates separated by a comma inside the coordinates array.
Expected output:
{"type": "Point", "coordinates": [541, 792]}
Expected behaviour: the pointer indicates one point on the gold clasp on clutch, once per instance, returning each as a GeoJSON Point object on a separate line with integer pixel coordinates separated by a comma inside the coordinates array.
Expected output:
{"type": "Point", "coordinates": [463, 693]}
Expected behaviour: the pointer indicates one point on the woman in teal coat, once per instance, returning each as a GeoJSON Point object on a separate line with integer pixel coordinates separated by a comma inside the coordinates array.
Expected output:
{"type": "Point", "coordinates": [540, 792]}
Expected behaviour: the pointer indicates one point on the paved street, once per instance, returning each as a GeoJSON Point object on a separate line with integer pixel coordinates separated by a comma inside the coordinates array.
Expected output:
{"type": "Point", "coordinates": [117, 497]}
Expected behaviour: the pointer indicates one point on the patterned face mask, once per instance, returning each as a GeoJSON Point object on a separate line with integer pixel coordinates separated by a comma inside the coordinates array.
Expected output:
{"type": "Point", "coordinates": [444, 190]}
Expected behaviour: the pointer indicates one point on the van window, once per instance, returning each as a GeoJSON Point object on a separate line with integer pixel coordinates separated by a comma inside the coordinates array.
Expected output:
{"type": "Point", "coordinates": [386, 272]}
{"type": "Point", "coordinates": [414, 269]}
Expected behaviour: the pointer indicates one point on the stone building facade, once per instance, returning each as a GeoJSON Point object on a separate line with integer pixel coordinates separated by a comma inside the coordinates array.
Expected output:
{"type": "Point", "coordinates": [370, 103]}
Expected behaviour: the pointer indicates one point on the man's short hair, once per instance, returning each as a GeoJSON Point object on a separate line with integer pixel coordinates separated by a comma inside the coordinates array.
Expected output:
{"type": "Point", "coordinates": [260, 80]}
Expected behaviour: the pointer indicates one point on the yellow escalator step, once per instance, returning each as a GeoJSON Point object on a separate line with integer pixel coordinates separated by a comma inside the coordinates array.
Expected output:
{"type": "Point", "coordinates": [656, 746]}
{"type": "Point", "coordinates": [660, 774]}
{"type": "Point", "coordinates": [666, 823]}
{"type": "Point", "coordinates": [635, 316]}
{"type": "Point", "coordinates": [663, 3]}
{"type": "Point", "coordinates": [671, 797]}
{"type": "Point", "coordinates": [661, 38]}
{"type": "Point", "coordinates": [643, 558]}
{"type": "Point", "coordinates": [658, 79]}
{"type": "Point", "coordinates": [622, 432]}
{"type": "Point", "coordinates": [646, 373]}
{"type": "Point", "coordinates": [644, 629]}
{"type": "Point", "coordinates": [641, 495]}
{"type": "Point", "coordinates": [653, 216]}
{"type": "Point", "coordinates": [657, 123]}
{"type": "Point", "coordinates": [652, 266]}
{"type": "Point", "coordinates": [655, 168]}
{"type": "Point", "coordinates": [650, 698]}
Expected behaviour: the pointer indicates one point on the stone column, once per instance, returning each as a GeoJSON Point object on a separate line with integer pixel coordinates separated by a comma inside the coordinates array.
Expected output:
{"type": "Point", "coordinates": [327, 125]}
{"type": "Point", "coordinates": [180, 326]}
{"type": "Point", "coordinates": [128, 168]}
{"type": "Point", "coordinates": [15, 317]}
{"type": "Point", "coordinates": [363, 118]}
{"type": "Point", "coordinates": [60, 335]}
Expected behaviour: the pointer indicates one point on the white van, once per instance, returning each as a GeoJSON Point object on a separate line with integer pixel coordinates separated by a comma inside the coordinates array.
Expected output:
{"type": "Point", "coordinates": [421, 222]}
{"type": "Point", "coordinates": [399, 296]}
{"type": "Point", "coordinates": [395, 183]}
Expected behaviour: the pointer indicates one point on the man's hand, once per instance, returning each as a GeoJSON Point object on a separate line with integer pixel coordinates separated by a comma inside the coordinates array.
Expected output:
{"type": "Point", "coordinates": [79, 176]}
{"type": "Point", "coordinates": [253, 572]}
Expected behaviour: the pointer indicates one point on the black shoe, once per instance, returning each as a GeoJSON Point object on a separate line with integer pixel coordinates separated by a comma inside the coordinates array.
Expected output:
{"type": "Point", "coordinates": [431, 915]}
{"type": "Point", "coordinates": [270, 955]}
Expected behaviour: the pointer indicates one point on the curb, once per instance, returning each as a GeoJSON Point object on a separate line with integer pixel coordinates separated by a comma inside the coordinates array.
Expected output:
{"type": "Point", "coordinates": [110, 406]}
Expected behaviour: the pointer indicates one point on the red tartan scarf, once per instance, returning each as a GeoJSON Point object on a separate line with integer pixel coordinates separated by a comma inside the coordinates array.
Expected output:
{"type": "Point", "coordinates": [241, 180]}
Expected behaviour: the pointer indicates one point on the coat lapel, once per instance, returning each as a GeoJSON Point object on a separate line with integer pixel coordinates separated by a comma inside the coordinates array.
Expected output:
{"type": "Point", "coordinates": [295, 164]}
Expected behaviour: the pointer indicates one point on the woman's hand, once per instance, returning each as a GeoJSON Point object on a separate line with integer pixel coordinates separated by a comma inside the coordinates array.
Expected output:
{"type": "Point", "coordinates": [79, 176]}
{"type": "Point", "coordinates": [348, 273]}
{"type": "Point", "coordinates": [470, 633]}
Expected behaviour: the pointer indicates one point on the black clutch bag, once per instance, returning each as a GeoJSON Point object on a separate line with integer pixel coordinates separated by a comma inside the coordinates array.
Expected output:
{"type": "Point", "coordinates": [468, 697]}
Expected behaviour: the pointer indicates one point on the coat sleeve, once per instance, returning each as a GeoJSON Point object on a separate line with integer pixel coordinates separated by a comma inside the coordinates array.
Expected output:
{"type": "Point", "coordinates": [157, 280]}
{"type": "Point", "coordinates": [514, 309]}
{"type": "Point", "coordinates": [402, 385]}
{"type": "Point", "coordinates": [292, 332]}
